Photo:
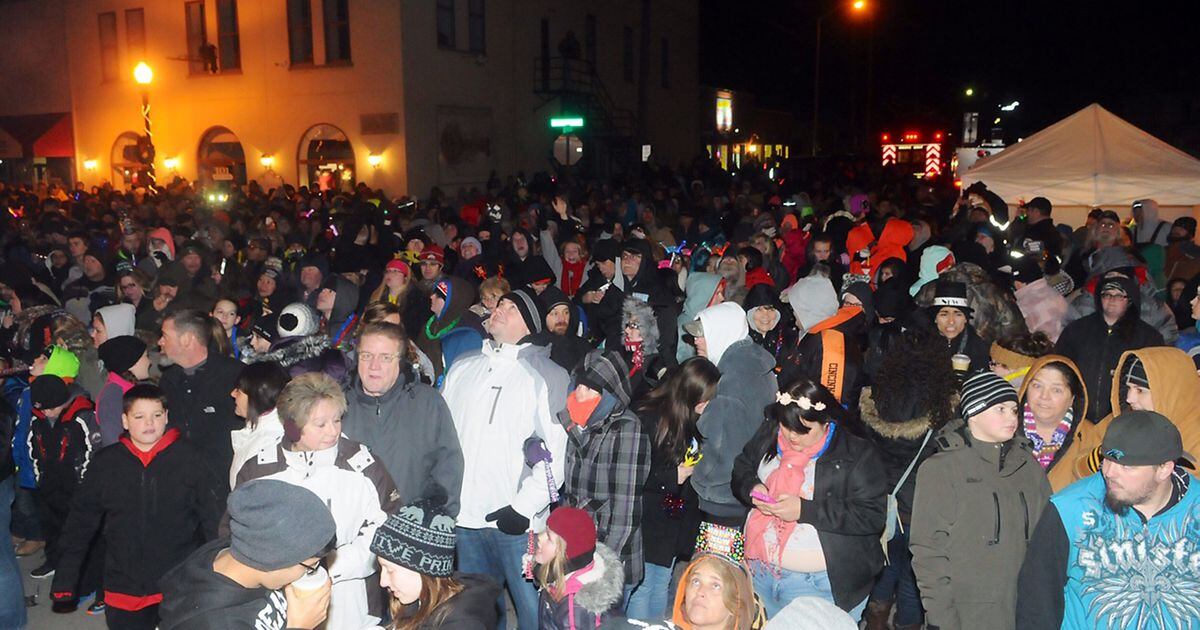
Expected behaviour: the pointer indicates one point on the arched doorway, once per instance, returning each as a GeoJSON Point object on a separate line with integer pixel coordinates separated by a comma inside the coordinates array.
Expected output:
{"type": "Point", "coordinates": [220, 158]}
{"type": "Point", "coordinates": [326, 158]}
{"type": "Point", "coordinates": [123, 168]}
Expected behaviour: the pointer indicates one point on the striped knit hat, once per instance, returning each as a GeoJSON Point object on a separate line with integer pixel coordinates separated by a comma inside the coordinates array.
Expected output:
{"type": "Point", "coordinates": [529, 306]}
{"type": "Point", "coordinates": [418, 537]}
{"type": "Point", "coordinates": [984, 390]}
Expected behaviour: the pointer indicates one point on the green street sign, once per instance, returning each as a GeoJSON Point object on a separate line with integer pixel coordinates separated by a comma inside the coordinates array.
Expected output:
{"type": "Point", "coordinates": [566, 123]}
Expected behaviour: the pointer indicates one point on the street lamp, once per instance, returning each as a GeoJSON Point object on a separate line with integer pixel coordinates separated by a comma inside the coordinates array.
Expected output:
{"type": "Point", "coordinates": [858, 6]}
{"type": "Point", "coordinates": [969, 92]}
{"type": "Point", "coordinates": [143, 75]}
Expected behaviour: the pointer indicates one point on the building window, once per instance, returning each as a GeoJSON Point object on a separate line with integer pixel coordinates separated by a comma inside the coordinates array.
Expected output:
{"type": "Point", "coordinates": [337, 31]}
{"type": "Point", "coordinates": [135, 33]}
{"type": "Point", "coordinates": [445, 23]}
{"type": "Point", "coordinates": [724, 111]}
{"type": "Point", "coordinates": [197, 39]}
{"type": "Point", "coordinates": [589, 42]}
{"type": "Point", "coordinates": [109, 66]}
{"type": "Point", "coordinates": [627, 54]}
{"type": "Point", "coordinates": [666, 65]}
{"type": "Point", "coordinates": [229, 49]}
{"type": "Point", "coordinates": [300, 46]}
{"type": "Point", "coordinates": [476, 26]}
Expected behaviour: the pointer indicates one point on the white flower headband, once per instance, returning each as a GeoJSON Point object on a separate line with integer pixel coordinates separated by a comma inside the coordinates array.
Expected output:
{"type": "Point", "coordinates": [802, 402]}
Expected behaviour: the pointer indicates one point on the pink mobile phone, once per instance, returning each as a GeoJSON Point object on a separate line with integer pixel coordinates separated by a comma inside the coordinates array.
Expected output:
{"type": "Point", "coordinates": [765, 498]}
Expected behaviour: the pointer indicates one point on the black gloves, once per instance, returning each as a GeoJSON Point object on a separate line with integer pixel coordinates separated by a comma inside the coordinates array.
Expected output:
{"type": "Point", "coordinates": [509, 521]}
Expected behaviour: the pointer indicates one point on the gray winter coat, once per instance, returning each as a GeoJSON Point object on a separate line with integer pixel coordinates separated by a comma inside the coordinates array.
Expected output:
{"type": "Point", "coordinates": [973, 514]}
{"type": "Point", "coordinates": [746, 387]}
{"type": "Point", "coordinates": [410, 430]}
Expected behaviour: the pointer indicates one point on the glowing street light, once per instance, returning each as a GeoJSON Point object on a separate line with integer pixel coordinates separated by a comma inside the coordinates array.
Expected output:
{"type": "Point", "coordinates": [1010, 107]}
{"type": "Point", "coordinates": [142, 73]}
{"type": "Point", "coordinates": [374, 160]}
{"type": "Point", "coordinates": [267, 161]}
{"type": "Point", "coordinates": [859, 5]}
{"type": "Point", "coordinates": [969, 92]}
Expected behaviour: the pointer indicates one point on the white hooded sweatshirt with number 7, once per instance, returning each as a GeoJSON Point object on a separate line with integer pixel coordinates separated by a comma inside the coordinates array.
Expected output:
{"type": "Point", "coordinates": [498, 400]}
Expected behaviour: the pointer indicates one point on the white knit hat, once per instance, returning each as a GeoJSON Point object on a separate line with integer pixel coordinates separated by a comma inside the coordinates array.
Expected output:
{"type": "Point", "coordinates": [298, 320]}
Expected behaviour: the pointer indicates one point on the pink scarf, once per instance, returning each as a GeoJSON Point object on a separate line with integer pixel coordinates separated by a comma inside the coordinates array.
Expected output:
{"type": "Point", "coordinates": [787, 479]}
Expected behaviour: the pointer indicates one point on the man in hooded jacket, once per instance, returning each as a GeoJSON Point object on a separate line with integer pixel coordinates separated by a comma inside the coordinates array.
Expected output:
{"type": "Point", "coordinates": [452, 329]}
{"type": "Point", "coordinates": [1096, 341]}
{"type": "Point", "coordinates": [746, 387]}
{"type": "Point", "coordinates": [337, 302]}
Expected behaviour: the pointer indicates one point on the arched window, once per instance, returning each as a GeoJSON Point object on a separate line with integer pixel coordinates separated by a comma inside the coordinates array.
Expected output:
{"type": "Point", "coordinates": [326, 158]}
{"type": "Point", "coordinates": [123, 169]}
{"type": "Point", "coordinates": [220, 158]}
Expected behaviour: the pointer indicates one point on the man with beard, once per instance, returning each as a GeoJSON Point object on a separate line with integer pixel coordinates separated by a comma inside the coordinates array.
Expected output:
{"type": "Point", "coordinates": [564, 332]}
{"type": "Point", "coordinates": [1118, 546]}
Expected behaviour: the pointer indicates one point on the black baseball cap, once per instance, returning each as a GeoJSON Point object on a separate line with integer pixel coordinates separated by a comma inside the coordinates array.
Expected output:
{"type": "Point", "coordinates": [1042, 204]}
{"type": "Point", "coordinates": [1142, 438]}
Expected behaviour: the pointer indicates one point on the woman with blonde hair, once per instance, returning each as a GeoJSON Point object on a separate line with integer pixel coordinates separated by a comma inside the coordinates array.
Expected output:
{"type": "Point", "coordinates": [344, 474]}
{"type": "Point", "coordinates": [415, 548]}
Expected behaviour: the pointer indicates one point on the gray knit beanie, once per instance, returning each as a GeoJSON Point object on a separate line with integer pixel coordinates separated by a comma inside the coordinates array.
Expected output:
{"type": "Point", "coordinates": [274, 524]}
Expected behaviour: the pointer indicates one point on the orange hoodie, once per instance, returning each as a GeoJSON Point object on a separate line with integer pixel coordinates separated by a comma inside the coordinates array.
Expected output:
{"type": "Point", "coordinates": [1175, 387]}
{"type": "Point", "coordinates": [749, 618]}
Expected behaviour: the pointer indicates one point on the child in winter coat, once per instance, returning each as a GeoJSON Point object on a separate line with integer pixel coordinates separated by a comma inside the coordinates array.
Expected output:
{"type": "Point", "coordinates": [152, 495]}
{"type": "Point", "coordinates": [62, 434]}
{"type": "Point", "coordinates": [581, 582]}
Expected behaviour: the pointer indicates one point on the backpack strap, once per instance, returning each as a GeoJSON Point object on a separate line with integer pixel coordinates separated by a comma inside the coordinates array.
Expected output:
{"type": "Point", "coordinates": [912, 464]}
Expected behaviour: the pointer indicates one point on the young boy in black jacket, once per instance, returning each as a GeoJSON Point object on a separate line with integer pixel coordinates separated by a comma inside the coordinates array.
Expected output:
{"type": "Point", "coordinates": [152, 493]}
{"type": "Point", "coordinates": [62, 434]}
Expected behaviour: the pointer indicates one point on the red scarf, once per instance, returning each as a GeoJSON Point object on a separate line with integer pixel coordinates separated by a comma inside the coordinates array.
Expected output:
{"type": "Point", "coordinates": [636, 356]}
{"type": "Point", "coordinates": [581, 411]}
{"type": "Point", "coordinates": [787, 479]}
{"type": "Point", "coordinates": [572, 276]}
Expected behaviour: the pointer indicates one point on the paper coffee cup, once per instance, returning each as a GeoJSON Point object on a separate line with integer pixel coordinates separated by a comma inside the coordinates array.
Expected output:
{"type": "Point", "coordinates": [961, 362]}
{"type": "Point", "coordinates": [309, 583]}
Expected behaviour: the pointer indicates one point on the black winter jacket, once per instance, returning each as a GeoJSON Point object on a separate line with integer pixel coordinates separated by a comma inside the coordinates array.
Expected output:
{"type": "Point", "coordinates": [473, 608]}
{"type": "Point", "coordinates": [150, 505]}
{"type": "Point", "coordinates": [202, 410]}
{"type": "Point", "coordinates": [670, 510]}
{"type": "Point", "coordinates": [197, 598]}
{"type": "Point", "coordinates": [848, 510]}
{"type": "Point", "coordinates": [1095, 347]}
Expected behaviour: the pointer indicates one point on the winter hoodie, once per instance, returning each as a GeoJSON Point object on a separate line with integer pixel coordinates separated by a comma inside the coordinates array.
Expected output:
{"type": "Point", "coordinates": [303, 354]}
{"type": "Point", "coordinates": [1078, 407]}
{"type": "Point", "coordinates": [1151, 230]}
{"type": "Point", "coordinates": [195, 597]}
{"type": "Point", "coordinates": [702, 290]}
{"type": "Point", "coordinates": [746, 387]}
{"type": "Point", "coordinates": [118, 319]}
{"type": "Point", "coordinates": [453, 331]}
{"type": "Point", "coordinates": [896, 234]}
{"type": "Point", "coordinates": [342, 317]}
{"type": "Point", "coordinates": [498, 399]}
{"type": "Point", "coordinates": [827, 351]}
{"type": "Point", "coordinates": [1175, 388]}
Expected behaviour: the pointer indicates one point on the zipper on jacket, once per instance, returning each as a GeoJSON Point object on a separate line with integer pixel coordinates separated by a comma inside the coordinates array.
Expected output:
{"type": "Point", "coordinates": [1025, 510]}
{"type": "Point", "coordinates": [996, 539]}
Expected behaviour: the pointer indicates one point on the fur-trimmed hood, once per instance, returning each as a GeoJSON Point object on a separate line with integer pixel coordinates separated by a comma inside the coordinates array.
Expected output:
{"type": "Point", "coordinates": [603, 586]}
{"type": "Point", "coordinates": [290, 351]}
{"type": "Point", "coordinates": [912, 429]}
{"type": "Point", "coordinates": [643, 313]}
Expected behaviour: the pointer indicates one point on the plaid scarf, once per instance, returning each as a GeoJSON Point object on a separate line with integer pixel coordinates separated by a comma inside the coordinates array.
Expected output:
{"type": "Point", "coordinates": [1043, 450]}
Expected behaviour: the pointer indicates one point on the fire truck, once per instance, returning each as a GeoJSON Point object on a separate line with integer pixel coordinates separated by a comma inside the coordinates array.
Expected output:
{"type": "Point", "coordinates": [916, 152]}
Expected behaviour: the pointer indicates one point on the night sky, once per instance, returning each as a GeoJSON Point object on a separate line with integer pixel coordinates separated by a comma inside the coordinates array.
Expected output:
{"type": "Point", "coordinates": [1139, 60]}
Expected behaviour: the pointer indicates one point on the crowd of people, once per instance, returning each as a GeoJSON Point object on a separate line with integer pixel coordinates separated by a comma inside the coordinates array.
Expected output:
{"type": "Point", "coordinates": [687, 399]}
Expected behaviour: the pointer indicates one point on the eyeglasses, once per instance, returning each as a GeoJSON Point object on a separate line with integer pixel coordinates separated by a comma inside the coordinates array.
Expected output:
{"type": "Point", "coordinates": [313, 569]}
{"type": "Point", "coordinates": [632, 326]}
{"type": "Point", "coordinates": [1119, 297]}
{"type": "Point", "coordinates": [386, 358]}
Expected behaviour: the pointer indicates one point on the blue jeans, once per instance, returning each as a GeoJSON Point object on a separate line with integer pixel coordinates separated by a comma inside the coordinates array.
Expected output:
{"type": "Point", "coordinates": [777, 592]}
{"type": "Point", "coordinates": [491, 552]}
{"type": "Point", "coordinates": [650, 599]}
{"type": "Point", "coordinates": [898, 579]}
{"type": "Point", "coordinates": [12, 595]}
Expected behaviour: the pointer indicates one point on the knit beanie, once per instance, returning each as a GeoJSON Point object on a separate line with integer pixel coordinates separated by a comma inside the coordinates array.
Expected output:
{"type": "Point", "coordinates": [62, 363]}
{"type": "Point", "coordinates": [266, 327]}
{"type": "Point", "coordinates": [418, 537]}
{"type": "Point", "coordinates": [529, 306]}
{"type": "Point", "coordinates": [578, 531]}
{"type": "Point", "coordinates": [47, 392]}
{"type": "Point", "coordinates": [298, 320]}
{"type": "Point", "coordinates": [399, 265]}
{"type": "Point", "coordinates": [274, 524]}
{"type": "Point", "coordinates": [1134, 373]}
{"type": "Point", "coordinates": [120, 353]}
{"type": "Point", "coordinates": [984, 390]}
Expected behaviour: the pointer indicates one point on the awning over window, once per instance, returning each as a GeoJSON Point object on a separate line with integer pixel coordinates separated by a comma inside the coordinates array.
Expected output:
{"type": "Point", "coordinates": [40, 135]}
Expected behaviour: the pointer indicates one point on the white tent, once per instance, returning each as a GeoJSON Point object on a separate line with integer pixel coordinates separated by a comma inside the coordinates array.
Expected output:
{"type": "Point", "coordinates": [1092, 158]}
